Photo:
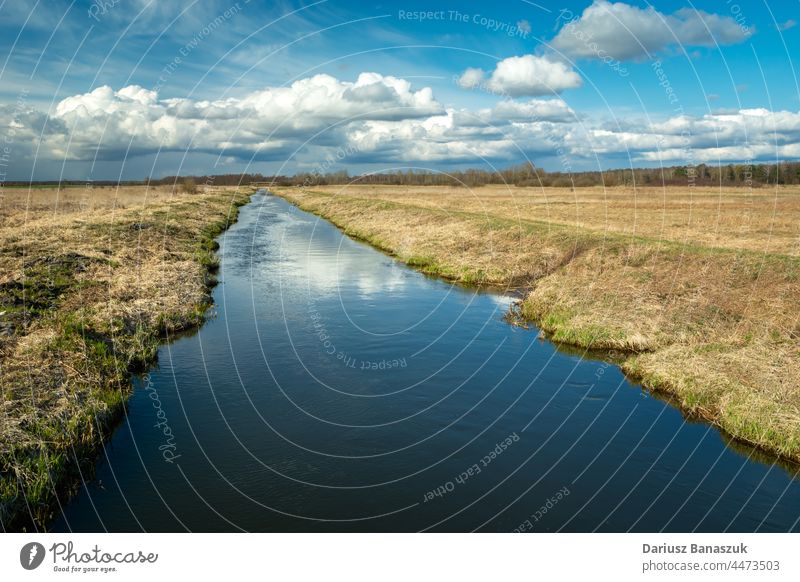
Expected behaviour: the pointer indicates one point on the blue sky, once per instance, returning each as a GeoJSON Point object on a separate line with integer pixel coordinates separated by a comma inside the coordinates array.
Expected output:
{"type": "Point", "coordinates": [132, 88]}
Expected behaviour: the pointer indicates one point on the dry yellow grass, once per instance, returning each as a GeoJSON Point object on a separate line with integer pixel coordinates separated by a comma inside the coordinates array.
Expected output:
{"type": "Point", "coordinates": [760, 219]}
{"type": "Point", "coordinates": [90, 280]}
{"type": "Point", "coordinates": [699, 288]}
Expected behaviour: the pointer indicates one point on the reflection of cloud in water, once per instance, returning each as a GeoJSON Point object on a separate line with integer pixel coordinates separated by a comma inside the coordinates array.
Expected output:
{"type": "Point", "coordinates": [328, 267]}
{"type": "Point", "coordinates": [332, 272]}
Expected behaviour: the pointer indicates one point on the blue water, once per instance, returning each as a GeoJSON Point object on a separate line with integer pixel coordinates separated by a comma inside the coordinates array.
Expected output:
{"type": "Point", "coordinates": [337, 390]}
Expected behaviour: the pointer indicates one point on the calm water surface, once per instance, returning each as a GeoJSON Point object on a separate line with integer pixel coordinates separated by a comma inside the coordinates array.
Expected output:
{"type": "Point", "coordinates": [337, 390]}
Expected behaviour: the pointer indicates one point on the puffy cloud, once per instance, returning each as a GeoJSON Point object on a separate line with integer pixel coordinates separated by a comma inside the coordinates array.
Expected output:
{"type": "Point", "coordinates": [747, 134]}
{"type": "Point", "coordinates": [107, 121]}
{"type": "Point", "coordinates": [380, 119]}
{"type": "Point", "coordinates": [532, 75]}
{"type": "Point", "coordinates": [471, 78]}
{"type": "Point", "coordinates": [534, 110]}
{"type": "Point", "coordinates": [622, 31]}
{"type": "Point", "coordinates": [524, 75]}
{"type": "Point", "coordinates": [509, 128]}
{"type": "Point", "coordinates": [324, 97]}
{"type": "Point", "coordinates": [374, 118]}
{"type": "Point", "coordinates": [509, 111]}
{"type": "Point", "coordinates": [441, 139]}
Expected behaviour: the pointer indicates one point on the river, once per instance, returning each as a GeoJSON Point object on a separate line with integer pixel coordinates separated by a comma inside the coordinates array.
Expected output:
{"type": "Point", "coordinates": [334, 389]}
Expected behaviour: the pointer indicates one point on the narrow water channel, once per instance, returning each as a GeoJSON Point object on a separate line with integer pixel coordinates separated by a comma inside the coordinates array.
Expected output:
{"type": "Point", "coordinates": [338, 390]}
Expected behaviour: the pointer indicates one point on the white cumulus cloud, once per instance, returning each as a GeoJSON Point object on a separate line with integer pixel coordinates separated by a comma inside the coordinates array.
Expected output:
{"type": "Point", "coordinates": [622, 31]}
{"type": "Point", "coordinates": [134, 119]}
{"type": "Point", "coordinates": [471, 78]}
{"type": "Point", "coordinates": [378, 119]}
{"type": "Point", "coordinates": [526, 75]}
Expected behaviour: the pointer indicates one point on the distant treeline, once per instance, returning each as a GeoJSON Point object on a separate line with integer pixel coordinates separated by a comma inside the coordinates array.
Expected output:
{"type": "Point", "coordinates": [522, 175]}
{"type": "Point", "coordinates": [529, 175]}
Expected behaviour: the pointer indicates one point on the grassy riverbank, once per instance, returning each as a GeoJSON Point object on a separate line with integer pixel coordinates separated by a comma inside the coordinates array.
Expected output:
{"type": "Point", "coordinates": [698, 289]}
{"type": "Point", "coordinates": [91, 281]}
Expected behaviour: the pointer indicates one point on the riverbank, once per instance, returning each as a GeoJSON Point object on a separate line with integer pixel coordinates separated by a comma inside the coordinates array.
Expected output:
{"type": "Point", "coordinates": [697, 291]}
{"type": "Point", "coordinates": [92, 280]}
